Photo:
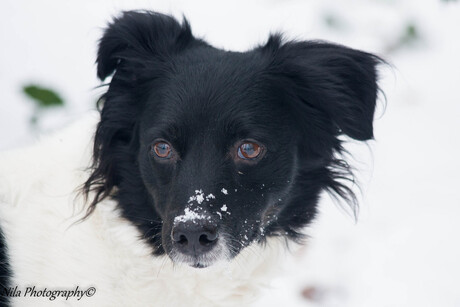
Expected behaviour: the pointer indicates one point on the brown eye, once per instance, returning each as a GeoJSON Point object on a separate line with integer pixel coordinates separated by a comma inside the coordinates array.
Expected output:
{"type": "Point", "coordinates": [162, 150]}
{"type": "Point", "coordinates": [248, 151]}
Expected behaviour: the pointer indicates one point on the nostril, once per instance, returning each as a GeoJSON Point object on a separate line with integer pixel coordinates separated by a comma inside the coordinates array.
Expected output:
{"type": "Point", "coordinates": [211, 235]}
{"type": "Point", "coordinates": [182, 240]}
{"type": "Point", "coordinates": [194, 238]}
{"type": "Point", "coordinates": [207, 239]}
{"type": "Point", "coordinates": [179, 238]}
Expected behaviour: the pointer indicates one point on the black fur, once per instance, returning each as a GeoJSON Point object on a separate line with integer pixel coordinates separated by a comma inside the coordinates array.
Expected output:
{"type": "Point", "coordinates": [5, 272]}
{"type": "Point", "coordinates": [296, 98]}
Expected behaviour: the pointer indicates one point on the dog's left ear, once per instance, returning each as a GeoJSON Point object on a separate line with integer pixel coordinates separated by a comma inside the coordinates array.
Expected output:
{"type": "Point", "coordinates": [339, 81]}
{"type": "Point", "coordinates": [137, 38]}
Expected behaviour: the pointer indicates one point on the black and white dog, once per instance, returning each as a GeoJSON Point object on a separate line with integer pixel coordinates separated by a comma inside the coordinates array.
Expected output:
{"type": "Point", "coordinates": [205, 163]}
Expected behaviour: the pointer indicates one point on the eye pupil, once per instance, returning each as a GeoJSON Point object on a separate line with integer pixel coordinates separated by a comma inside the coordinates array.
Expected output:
{"type": "Point", "coordinates": [249, 151]}
{"type": "Point", "coordinates": [162, 149]}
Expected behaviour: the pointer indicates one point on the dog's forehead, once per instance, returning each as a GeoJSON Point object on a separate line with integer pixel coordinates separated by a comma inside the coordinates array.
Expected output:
{"type": "Point", "coordinates": [215, 77]}
{"type": "Point", "coordinates": [214, 91]}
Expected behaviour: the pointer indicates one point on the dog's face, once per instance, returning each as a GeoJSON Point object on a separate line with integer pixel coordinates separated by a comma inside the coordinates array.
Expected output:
{"type": "Point", "coordinates": [209, 150]}
{"type": "Point", "coordinates": [213, 156]}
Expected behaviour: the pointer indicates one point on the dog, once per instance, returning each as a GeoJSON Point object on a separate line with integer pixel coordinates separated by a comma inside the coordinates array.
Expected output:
{"type": "Point", "coordinates": [202, 165]}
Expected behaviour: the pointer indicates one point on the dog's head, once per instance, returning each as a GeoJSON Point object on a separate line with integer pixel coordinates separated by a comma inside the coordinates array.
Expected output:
{"type": "Point", "coordinates": [207, 150]}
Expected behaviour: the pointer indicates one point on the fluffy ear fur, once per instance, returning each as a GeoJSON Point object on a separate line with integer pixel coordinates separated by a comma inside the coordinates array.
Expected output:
{"type": "Point", "coordinates": [141, 36]}
{"type": "Point", "coordinates": [339, 81]}
{"type": "Point", "coordinates": [138, 46]}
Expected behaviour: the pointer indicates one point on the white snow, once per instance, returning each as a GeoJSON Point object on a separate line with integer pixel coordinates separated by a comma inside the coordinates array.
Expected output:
{"type": "Point", "coordinates": [189, 215]}
{"type": "Point", "coordinates": [404, 249]}
{"type": "Point", "coordinates": [224, 191]}
{"type": "Point", "coordinates": [223, 208]}
{"type": "Point", "coordinates": [198, 197]}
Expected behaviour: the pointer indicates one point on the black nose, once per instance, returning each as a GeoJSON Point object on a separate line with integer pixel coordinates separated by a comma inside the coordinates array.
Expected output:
{"type": "Point", "coordinates": [194, 237]}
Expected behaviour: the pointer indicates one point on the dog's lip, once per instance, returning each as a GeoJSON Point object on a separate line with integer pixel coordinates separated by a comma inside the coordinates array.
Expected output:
{"type": "Point", "coordinates": [198, 265]}
{"type": "Point", "coordinates": [195, 263]}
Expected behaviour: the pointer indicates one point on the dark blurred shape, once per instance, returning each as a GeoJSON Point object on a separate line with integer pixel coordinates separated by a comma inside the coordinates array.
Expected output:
{"type": "Point", "coordinates": [44, 97]}
{"type": "Point", "coordinates": [310, 293]}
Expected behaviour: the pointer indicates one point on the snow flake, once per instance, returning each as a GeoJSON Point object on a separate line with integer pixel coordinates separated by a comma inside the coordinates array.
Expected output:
{"type": "Point", "coordinates": [188, 215]}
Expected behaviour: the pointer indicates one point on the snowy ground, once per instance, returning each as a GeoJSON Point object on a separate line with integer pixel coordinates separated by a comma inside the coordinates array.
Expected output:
{"type": "Point", "coordinates": [405, 248]}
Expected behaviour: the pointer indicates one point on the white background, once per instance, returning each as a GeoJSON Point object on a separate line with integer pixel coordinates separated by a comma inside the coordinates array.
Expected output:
{"type": "Point", "coordinates": [405, 248]}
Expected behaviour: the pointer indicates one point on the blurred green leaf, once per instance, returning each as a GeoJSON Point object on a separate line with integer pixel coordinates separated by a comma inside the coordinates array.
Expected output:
{"type": "Point", "coordinates": [410, 37]}
{"type": "Point", "coordinates": [333, 21]}
{"type": "Point", "coordinates": [410, 34]}
{"type": "Point", "coordinates": [44, 97]}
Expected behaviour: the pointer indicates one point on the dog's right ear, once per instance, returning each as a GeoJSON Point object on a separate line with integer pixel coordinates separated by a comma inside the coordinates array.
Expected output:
{"type": "Point", "coordinates": [139, 37]}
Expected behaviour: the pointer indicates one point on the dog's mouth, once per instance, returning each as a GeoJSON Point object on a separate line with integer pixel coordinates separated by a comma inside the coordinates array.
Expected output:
{"type": "Point", "coordinates": [199, 265]}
